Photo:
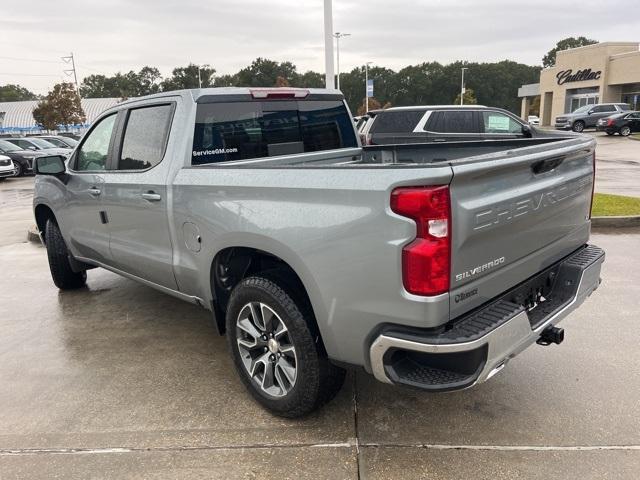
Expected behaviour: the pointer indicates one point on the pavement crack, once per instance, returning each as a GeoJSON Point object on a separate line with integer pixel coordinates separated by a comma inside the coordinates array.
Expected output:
{"type": "Point", "coordinates": [355, 423]}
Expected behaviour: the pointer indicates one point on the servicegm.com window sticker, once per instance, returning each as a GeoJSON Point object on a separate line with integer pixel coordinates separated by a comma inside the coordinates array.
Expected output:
{"type": "Point", "coordinates": [217, 151]}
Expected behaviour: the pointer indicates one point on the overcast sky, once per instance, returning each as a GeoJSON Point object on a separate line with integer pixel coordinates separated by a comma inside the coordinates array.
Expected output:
{"type": "Point", "coordinates": [120, 35]}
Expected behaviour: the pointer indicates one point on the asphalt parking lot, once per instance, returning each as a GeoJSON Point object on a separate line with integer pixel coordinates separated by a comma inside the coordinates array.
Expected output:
{"type": "Point", "coordinates": [120, 381]}
{"type": "Point", "coordinates": [618, 165]}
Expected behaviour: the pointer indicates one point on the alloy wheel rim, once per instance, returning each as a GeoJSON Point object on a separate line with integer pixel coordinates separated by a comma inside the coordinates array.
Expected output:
{"type": "Point", "coordinates": [579, 127]}
{"type": "Point", "coordinates": [266, 349]}
{"type": "Point", "coordinates": [625, 131]}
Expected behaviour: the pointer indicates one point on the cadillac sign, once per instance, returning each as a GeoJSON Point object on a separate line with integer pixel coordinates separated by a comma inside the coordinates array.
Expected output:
{"type": "Point", "coordinates": [566, 76]}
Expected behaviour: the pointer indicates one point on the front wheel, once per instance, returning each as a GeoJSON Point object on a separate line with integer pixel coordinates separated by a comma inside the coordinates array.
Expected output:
{"type": "Point", "coordinates": [277, 356]}
{"type": "Point", "coordinates": [18, 168]}
{"type": "Point", "coordinates": [61, 272]}
{"type": "Point", "coordinates": [578, 126]}
{"type": "Point", "coordinates": [625, 131]}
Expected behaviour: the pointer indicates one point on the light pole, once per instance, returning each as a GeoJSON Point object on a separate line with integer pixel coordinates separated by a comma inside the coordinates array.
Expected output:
{"type": "Point", "coordinates": [366, 86]}
{"type": "Point", "coordinates": [338, 36]}
{"type": "Point", "coordinates": [328, 45]}
{"type": "Point", "coordinates": [462, 86]}
{"type": "Point", "coordinates": [199, 78]}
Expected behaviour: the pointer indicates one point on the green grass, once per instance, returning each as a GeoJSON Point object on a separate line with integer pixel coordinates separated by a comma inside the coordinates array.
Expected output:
{"type": "Point", "coordinates": [605, 205]}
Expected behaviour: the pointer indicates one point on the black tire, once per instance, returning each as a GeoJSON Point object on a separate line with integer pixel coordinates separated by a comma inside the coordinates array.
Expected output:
{"type": "Point", "coordinates": [578, 126]}
{"type": "Point", "coordinates": [61, 272]}
{"type": "Point", "coordinates": [19, 169]}
{"type": "Point", "coordinates": [625, 131]}
{"type": "Point", "coordinates": [317, 381]}
{"type": "Point", "coordinates": [2, 179]}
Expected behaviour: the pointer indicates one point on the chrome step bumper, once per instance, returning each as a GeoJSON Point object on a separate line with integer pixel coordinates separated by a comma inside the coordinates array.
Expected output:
{"type": "Point", "coordinates": [480, 344]}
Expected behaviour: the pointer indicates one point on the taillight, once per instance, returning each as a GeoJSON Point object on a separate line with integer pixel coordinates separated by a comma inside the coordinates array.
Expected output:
{"type": "Point", "coordinates": [593, 185]}
{"type": "Point", "coordinates": [610, 122]}
{"type": "Point", "coordinates": [426, 260]}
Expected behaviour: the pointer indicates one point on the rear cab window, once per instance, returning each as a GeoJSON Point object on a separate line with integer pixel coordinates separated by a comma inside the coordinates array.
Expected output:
{"type": "Point", "coordinates": [228, 131]}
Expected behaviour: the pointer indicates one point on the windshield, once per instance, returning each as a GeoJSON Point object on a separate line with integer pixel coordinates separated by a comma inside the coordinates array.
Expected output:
{"type": "Point", "coordinates": [8, 146]}
{"type": "Point", "coordinates": [584, 109]}
{"type": "Point", "coordinates": [41, 143]}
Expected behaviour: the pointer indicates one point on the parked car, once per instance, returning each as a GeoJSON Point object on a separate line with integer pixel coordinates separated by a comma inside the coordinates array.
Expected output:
{"type": "Point", "coordinates": [6, 168]}
{"type": "Point", "coordinates": [533, 120]}
{"type": "Point", "coordinates": [426, 265]}
{"type": "Point", "coordinates": [59, 141]}
{"type": "Point", "coordinates": [588, 116]}
{"type": "Point", "coordinates": [39, 145]}
{"type": "Point", "coordinates": [22, 159]}
{"type": "Point", "coordinates": [623, 123]}
{"type": "Point", "coordinates": [441, 124]}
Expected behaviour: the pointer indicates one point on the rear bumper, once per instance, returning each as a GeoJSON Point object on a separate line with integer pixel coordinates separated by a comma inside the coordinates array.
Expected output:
{"type": "Point", "coordinates": [481, 343]}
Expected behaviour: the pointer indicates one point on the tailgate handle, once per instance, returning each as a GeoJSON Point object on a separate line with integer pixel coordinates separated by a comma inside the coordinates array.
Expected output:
{"type": "Point", "coordinates": [546, 165]}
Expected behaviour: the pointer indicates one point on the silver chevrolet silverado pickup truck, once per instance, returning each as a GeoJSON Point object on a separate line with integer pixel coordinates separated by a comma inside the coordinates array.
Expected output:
{"type": "Point", "coordinates": [427, 265]}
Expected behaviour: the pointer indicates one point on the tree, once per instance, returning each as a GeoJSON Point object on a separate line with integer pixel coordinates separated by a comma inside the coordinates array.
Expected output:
{"type": "Point", "coordinates": [549, 60]}
{"type": "Point", "coordinates": [122, 85]}
{"type": "Point", "coordinates": [15, 93]}
{"type": "Point", "coordinates": [264, 73]}
{"type": "Point", "coordinates": [469, 97]}
{"type": "Point", "coordinates": [187, 77]}
{"type": "Point", "coordinates": [60, 107]}
{"type": "Point", "coordinates": [310, 79]}
{"type": "Point", "coordinates": [282, 82]}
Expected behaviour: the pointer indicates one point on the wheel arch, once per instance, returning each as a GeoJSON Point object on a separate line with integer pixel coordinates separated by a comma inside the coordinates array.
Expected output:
{"type": "Point", "coordinates": [43, 213]}
{"type": "Point", "coordinates": [232, 264]}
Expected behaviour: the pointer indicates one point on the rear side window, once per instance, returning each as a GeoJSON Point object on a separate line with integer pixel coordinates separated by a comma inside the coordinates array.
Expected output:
{"type": "Point", "coordinates": [396, 122]}
{"type": "Point", "coordinates": [145, 137]}
{"type": "Point", "coordinates": [624, 107]}
{"type": "Point", "coordinates": [604, 108]}
{"type": "Point", "coordinates": [243, 130]}
{"type": "Point", "coordinates": [451, 121]}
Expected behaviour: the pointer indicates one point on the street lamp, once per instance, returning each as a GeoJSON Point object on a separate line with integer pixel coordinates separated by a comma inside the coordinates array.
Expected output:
{"type": "Point", "coordinates": [330, 82]}
{"type": "Point", "coordinates": [366, 86]}
{"type": "Point", "coordinates": [462, 86]}
{"type": "Point", "coordinates": [338, 36]}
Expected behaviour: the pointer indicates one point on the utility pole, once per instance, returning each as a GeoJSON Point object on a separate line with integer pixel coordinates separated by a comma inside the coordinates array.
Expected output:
{"type": "Point", "coordinates": [199, 78]}
{"type": "Point", "coordinates": [462, 89]}
{"type": "Point", "coordinates": [70, 59]}
{"type": "Point", "coordinates": [366, 86]}
{"type": "Point", "coordinates": [328, 45]}
{"type": "Point", "coordinates": [338, 36]}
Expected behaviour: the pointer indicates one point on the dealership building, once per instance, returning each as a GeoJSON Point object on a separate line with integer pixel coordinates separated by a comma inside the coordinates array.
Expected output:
{"type": "Point", "coordinates": [607, 72]}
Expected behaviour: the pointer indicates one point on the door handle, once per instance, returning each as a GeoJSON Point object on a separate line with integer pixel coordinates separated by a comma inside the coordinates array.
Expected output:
{"type": "Point", "coordinates": [94, 191]}
{"type": "Point", "coordinates": [152, 196]}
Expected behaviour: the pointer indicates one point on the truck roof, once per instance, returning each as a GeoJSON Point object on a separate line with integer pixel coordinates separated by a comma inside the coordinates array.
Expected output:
{"type": "Point", "coordinates": [199, 94]}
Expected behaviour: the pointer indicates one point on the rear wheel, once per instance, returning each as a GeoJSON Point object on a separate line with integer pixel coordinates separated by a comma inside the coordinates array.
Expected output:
{"type": "Point", "coordinates": [610, 132]}
{"type": "Point", "coordinates": [61, 272]}
{"type": "Point", "coordinates": [275, 352]}
{"type": "Point", "coordinates": [625, 131]}
{"type": "Point", "coordinates": [578, 126]}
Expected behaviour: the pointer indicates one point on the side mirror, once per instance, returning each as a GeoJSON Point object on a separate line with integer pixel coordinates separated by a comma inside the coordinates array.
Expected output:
{"type": "Point", "coordinates": [590, 112]}
{"type": "Point", "coordinates": [526, 130]}
{"type": "Point", "coordinates": [52, 165]}
{"type": "Point", "coordinates": [31, 147]}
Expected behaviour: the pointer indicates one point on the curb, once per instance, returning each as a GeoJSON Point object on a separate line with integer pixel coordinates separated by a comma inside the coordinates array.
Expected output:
{"type": "Point", "coordinates": [616, 221]}
{"type": "Point", "coordinates": [33, 235]}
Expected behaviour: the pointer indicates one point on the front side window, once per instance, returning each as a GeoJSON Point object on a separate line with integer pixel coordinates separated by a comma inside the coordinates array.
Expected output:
{"type": "Point", "coordinates": [42, 144]}
{"type": "Point", "coordinates": [57, 143]}
{"type": "Point", "coordinates": [624, 107]}
{"type": "Point", "coordinates": [145, 137]}
{"type": "Point", "coordinates": [243, 130]}
{"type": "Point", "coordinates": [496, 122]}
{"type": "Point", "coordinates": [451, 121]}
{"type": "Point", "coordinates": [93, 153]}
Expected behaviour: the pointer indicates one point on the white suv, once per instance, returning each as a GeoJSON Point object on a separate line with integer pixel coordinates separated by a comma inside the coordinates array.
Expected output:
{"type": "Point", "coordinates": [6, 168]}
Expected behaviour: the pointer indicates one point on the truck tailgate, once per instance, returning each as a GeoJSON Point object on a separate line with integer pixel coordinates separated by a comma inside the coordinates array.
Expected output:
{"type": "Point", "coordinates": [514, 216]}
